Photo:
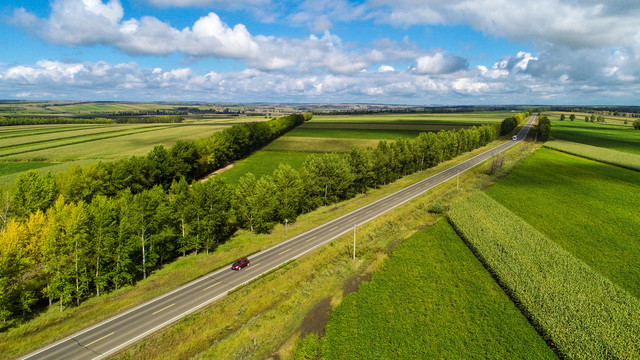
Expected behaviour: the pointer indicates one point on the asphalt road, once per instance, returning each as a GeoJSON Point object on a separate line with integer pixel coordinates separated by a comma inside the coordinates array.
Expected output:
{"type": "Point", "coordinates": [114, 334]}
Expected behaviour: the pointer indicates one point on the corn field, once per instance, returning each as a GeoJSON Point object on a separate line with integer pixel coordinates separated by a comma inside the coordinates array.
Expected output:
{"type": "Point", "coordinates": [576, 309]}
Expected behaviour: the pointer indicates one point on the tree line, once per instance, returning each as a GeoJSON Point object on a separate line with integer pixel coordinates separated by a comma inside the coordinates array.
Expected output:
{"type": "Point", "coordinates": [161, 119]}
{"type": "Point", "coordinates": [509, 124]}
{"type": "Point", "coordinates": [83, 233]}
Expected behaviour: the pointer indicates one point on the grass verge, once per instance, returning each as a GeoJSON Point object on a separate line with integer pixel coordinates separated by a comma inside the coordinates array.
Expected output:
{"type": "Point", "coordinates": [577, 309]}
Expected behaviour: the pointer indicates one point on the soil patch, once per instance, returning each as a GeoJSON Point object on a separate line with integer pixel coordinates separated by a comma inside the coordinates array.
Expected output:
{"type": "Point", "coordinates": [318, 317]}
{"type": "Point", "coordinates": [221, 170]}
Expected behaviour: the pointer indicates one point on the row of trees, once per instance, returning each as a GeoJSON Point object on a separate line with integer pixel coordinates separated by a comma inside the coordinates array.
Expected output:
{"type": "Point", "coordinates": [66, 248]}
{"type": "Point", "coordinates": [161, 166]}
{"type": "Point", "coordinates": [77, 248]}
{"type": "Point", "coordinates": [13, 121]}
{"type": "Point", "coordinates": [509, 124]}
{"type": "Point", "coordinates": [571, 117]}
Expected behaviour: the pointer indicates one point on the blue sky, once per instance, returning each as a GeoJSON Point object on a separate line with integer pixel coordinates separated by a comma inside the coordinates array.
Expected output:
{"type": "Point", "coordinates": [377, 51]}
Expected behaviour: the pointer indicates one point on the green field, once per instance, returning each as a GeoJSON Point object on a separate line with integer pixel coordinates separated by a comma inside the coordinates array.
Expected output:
{"type": "Point", "coordinates": [32, 147]}
{"type": "Point", "coordinates": [10, 168]}
{"type": "Point", "coordinates": [431, 299]}
{"type": "Point", "coordinates": [609, 119]}
{"type": "Point", "coordinates": [615, 137]}
{"type": "Point", "coordinates": [470, 117]}
{"type": "Point", "coordinates": [607, 156]}
{"type": "Point", "coordinates": [585, 315]}
{"type": "Point", "coordinates": [584, 206]}
{"type": "Point", "coordinates": [327, 134]}
{"type": "Point", "coordinates": [263, 163]}
{"type": "Point", "coordinates": [378, 134]}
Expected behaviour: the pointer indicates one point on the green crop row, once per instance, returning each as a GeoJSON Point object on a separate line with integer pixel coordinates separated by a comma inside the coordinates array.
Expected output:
{"type": "Point", "coordinates": [608, 156]}
{"type": "Point", "coordinates": [431, 300]}
{"type": "Point", "coordinates": [582, 313]}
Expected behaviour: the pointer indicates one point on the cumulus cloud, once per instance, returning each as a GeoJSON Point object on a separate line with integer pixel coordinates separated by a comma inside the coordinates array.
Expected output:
{"type": "Point", "coordinates": [103, 81]}
{"type": "Point", "coordinates": [203, 3]}
{"type": "Point", "coordinates": [208, 37]}
{"type": "Point", "coordinates": [574, 24]}
{"type": "Point", "coordinates": [319, 15]}
{"type": "Point", "coordinates": [439, 63]}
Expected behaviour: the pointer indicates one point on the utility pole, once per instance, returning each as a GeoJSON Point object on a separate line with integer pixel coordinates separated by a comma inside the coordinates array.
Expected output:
{"type": "Point", "coordinates": [354, 242]}
{"type": "Point", "coordinates": [286, 227]}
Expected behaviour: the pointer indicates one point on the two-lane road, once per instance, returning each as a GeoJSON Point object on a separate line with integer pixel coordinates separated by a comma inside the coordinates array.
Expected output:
{"type": "Point", "coordinates": [129, 327]}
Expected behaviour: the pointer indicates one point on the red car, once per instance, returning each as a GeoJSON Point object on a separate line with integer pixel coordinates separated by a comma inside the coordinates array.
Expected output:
{"type": "Point", "coordinates": [240, 263]}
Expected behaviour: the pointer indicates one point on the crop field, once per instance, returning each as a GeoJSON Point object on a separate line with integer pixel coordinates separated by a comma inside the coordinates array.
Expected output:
{"type": "Point", "coordinates": [609, 119]}
{"type": "Point", "coordinates": [378, 134]}
{"type": "Point", "coordinates": [607, 156]}
{"type": "Point", "coordinates": [25, 147]}
{"type": "Point", "coordinates": [584, 314]}
{"type": "Point", "coordinates": [105, 143]}
{"type": "Point", "coordinates": [338, 134]}
{"type": "Point", "coordinates": [263, 163]}
{"type": "Point", "coordinates": [584, 206]}
{"type": "Point", "coordinates": [431, 299]}
{"type": "Point", "coordinates": [470, 117]}
{"type": "Point", "coordinates": [615, 137]}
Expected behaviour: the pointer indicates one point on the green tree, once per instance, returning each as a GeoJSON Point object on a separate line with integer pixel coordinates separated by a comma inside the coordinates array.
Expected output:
{"type": "Point", "coordinates": [562, 117]}
{"type": "Point", "coordinates": [213, 199]}
{"type": "Point", "coordinates": [147, 223]}
{"type": "Point", "coordinates": [572, 117]}
{"type": "Point", "coordinates": [636, 124]}
{"type": "Point", "coordinates": [255, 203]}
{"type": "Point", "coordinates": [288, 189]}
{"type": "Point", "coordinates": [361, 166]}
{"type": "Point", "coordinates": [327, 178]}
{"type": "Point", "coordinates": [32, 192]}
{"type": "Point", "coordinates": [103, 220]}
{"type": "Point", "coordinates": [183, 208]}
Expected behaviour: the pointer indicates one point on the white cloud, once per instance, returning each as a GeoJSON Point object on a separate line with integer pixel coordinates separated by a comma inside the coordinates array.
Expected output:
{"type": "Point", "coordinates": [386, 68]}
{"type": "Point", "coordinates": [439, 63]}
{"type": "Point", "coordinates": [572, 24]}
{"type": "Point", "coordinates": [203, 3]}
{"type": "Point", "coordinates": [104, 81]}
{"type": "Point", "coordinates": [208, 37]}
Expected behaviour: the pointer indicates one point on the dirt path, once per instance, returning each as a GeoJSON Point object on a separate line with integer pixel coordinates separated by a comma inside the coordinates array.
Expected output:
{"type": "Point", "coordinates": [221, 170]}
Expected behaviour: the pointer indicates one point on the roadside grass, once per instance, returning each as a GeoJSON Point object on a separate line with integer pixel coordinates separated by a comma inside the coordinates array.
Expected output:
{"type": "Point", "coordinates": [581, 312]}
{"type": "Point", "coordinates": [330, 132]}
{"type": "Point", "coordinates": [54, 325]}
{"type": "Point", "coordinates": [431, 299]}
{"type": "Point", "coordinates": [588, 208]}
{"type": "Point", "coordinates": [604, 155]}
{"type": "Point", "coordinates": [620, 138]}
